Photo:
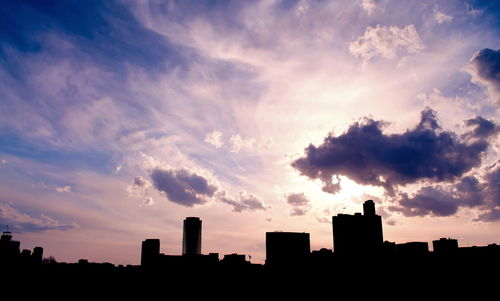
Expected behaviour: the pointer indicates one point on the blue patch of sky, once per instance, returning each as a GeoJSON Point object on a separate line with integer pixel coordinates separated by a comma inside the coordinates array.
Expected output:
{"type": "Point", "coordinates": [100, 161]}
{"type": "Point", "coordinates": [103, 33]}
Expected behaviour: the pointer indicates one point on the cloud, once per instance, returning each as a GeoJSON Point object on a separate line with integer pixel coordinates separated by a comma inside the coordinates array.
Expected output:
{"type": "Point", "coordinates": [483, 128]}
{"type": "Point", "coordinates": [214, 138]}
{"type": "Point", "coordinates": [485, 70]}
{"type": "Point", "coordinates": [22, 222]}
{"type": "Point", "coordinates": [183, 186]}
{"type": "Point", "coordinates": [298, 211]}
{"type": "Point", "coordinates": [429, 200]}
{"type": "Point", "coordinates": [139, 189]}
{"type": "Point", "coordinates": [118, 169]}
{"type": "Point", "coordinates": [324, 220]}
{"type": "Point", "coordinates": [385, 41]}
{"type": "Point", "coordinates": [238, 143]}
{"type": "Point", "coordinates": [3, 161]}
{"type": "Point", "coordinates": [441, 17]}
{"type": "Point", "coordinates": [189, 188]}
{"type": "Point", "coordinates": [471, 10]}
{"type": "Point", "coordinates": [245, 202]}
{"type": "Point", "coordinates": [64, 189]}
{"type": "Point", "coordinates": [299, 202]}
{"type": "Point", "coordinates": [447, 200]}
{"type": "Point", "coordinates": [369, 157]}
{"type": "Point", "coordinates": [369, 6]}
{"type": "Point", "coordinates": [296, 199]}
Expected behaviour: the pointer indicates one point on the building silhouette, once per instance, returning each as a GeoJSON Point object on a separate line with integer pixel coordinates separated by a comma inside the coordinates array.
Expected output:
{"type": "Point", "coordinates": [358, 234]}
{"type": "Point", "coordinates": [9, 249]}
{"type": "Point", "coordinates": [445, 246]}
{"type": "Point", "coordinates": [284, 248]}
{"type": "Point", "coordinates": [150, 252]}
{"type": "Point", "coordinates": [37, 255]}
{"type": "Point", "coordinates": [412, 249]}
{"type": "Point", "coordinates": [191, 239]}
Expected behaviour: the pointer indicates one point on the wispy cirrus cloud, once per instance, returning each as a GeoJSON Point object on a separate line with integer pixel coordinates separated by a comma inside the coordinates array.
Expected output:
{"type": "Point", "coordinates": [19, 221]}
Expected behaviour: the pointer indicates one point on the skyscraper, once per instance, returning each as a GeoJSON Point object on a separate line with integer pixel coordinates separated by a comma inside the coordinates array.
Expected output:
{"type": "Point", "coordinates": [358, 234]}
{"type": "Point", "coordinates": [191, 239]}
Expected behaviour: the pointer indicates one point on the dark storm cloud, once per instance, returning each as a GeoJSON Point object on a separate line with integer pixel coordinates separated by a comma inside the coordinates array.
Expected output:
{"type": "Point", "coordinates": [446, 201]}
{"type": "Point", "coordinates": [368, 156]}
{"type": "Point", "coordinates": [182, 186]}
{"type": "Point", "coordinates": [493, 184]}
{"type": "Point", "coordinates": [485, 69]}
{"type": "Point", "coordinates": [439, 201]}
{"type": "Point", "coordinates": [483, 128]}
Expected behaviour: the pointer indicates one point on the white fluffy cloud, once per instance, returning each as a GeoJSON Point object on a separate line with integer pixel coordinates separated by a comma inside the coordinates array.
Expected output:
{"type": "Point", "coordinates": [238, 143]}
{"type": "Point", "coordinates": [214, 138]}
{"type": "Point", "coordinates": [441, 17]}
{"type": "Point", "coordinates": [63, 189]}
{"type": "Point", "coordinates": [385, 41]}
{"type": "Point", "coordinates": [369, 6]}
{"type": "Point", "coordinates": [139, 189]}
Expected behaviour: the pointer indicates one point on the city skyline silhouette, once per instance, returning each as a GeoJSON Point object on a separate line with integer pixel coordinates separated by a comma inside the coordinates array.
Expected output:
{"type": "Point", "coordinates": [244, 135]}
{"type": "Point", "coordinates": [354, 236]}
{"type": "Point", "coordinates": [358, 253]}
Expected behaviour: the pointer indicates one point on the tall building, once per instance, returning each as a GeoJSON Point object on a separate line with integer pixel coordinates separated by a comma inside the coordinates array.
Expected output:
{"type": "Point", "coordinates": [150, 252]}
{"type": "Point", "coordinates": [9, 249]}
{"type": "Point", "coordinates": [191, 239]}
{"type": "Point", "coordinates": [286, 247]}
{"type": "Point", "coordinates": [358, 234]}
{"type": "Point", "coordinates": [37, 255]}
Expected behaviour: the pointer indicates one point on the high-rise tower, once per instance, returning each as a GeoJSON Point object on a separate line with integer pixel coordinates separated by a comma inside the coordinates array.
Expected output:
{"type": "Point", "coordinates": [150, 252]}
{"type": "Point", "coordinates": [191, 240]}
{"type": "Point", "coordinates": [358, 234]}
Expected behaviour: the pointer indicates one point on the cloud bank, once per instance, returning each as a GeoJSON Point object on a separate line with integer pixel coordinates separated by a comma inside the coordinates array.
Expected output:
{"type": "Point", "coordinates": [485, 70]}
{"type": "Point", "coordinates": [22, 222]}
{"type": "Point", "coordinates": [368, 156]}
{"type": "Point", "coordinates": [447, 200]}
{"type": "Point", "coordinates": [425, 154]}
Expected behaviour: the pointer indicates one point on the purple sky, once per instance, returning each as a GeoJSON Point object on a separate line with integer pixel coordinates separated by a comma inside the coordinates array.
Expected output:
{"type": "Point", "coordinates": [118, 119]}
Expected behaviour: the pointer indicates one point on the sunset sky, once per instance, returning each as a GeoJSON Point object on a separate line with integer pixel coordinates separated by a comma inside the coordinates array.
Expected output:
{"type": "Point", "coordinates": [118, 119]}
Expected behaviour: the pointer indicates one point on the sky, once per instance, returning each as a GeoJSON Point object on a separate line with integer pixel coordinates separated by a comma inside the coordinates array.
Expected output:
{"type": "Point", "coordinates": [118, 119]}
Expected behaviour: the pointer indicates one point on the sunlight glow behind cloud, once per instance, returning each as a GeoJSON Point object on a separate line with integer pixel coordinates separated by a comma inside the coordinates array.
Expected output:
{"type": "Point", "coordinates": [147, 112]}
